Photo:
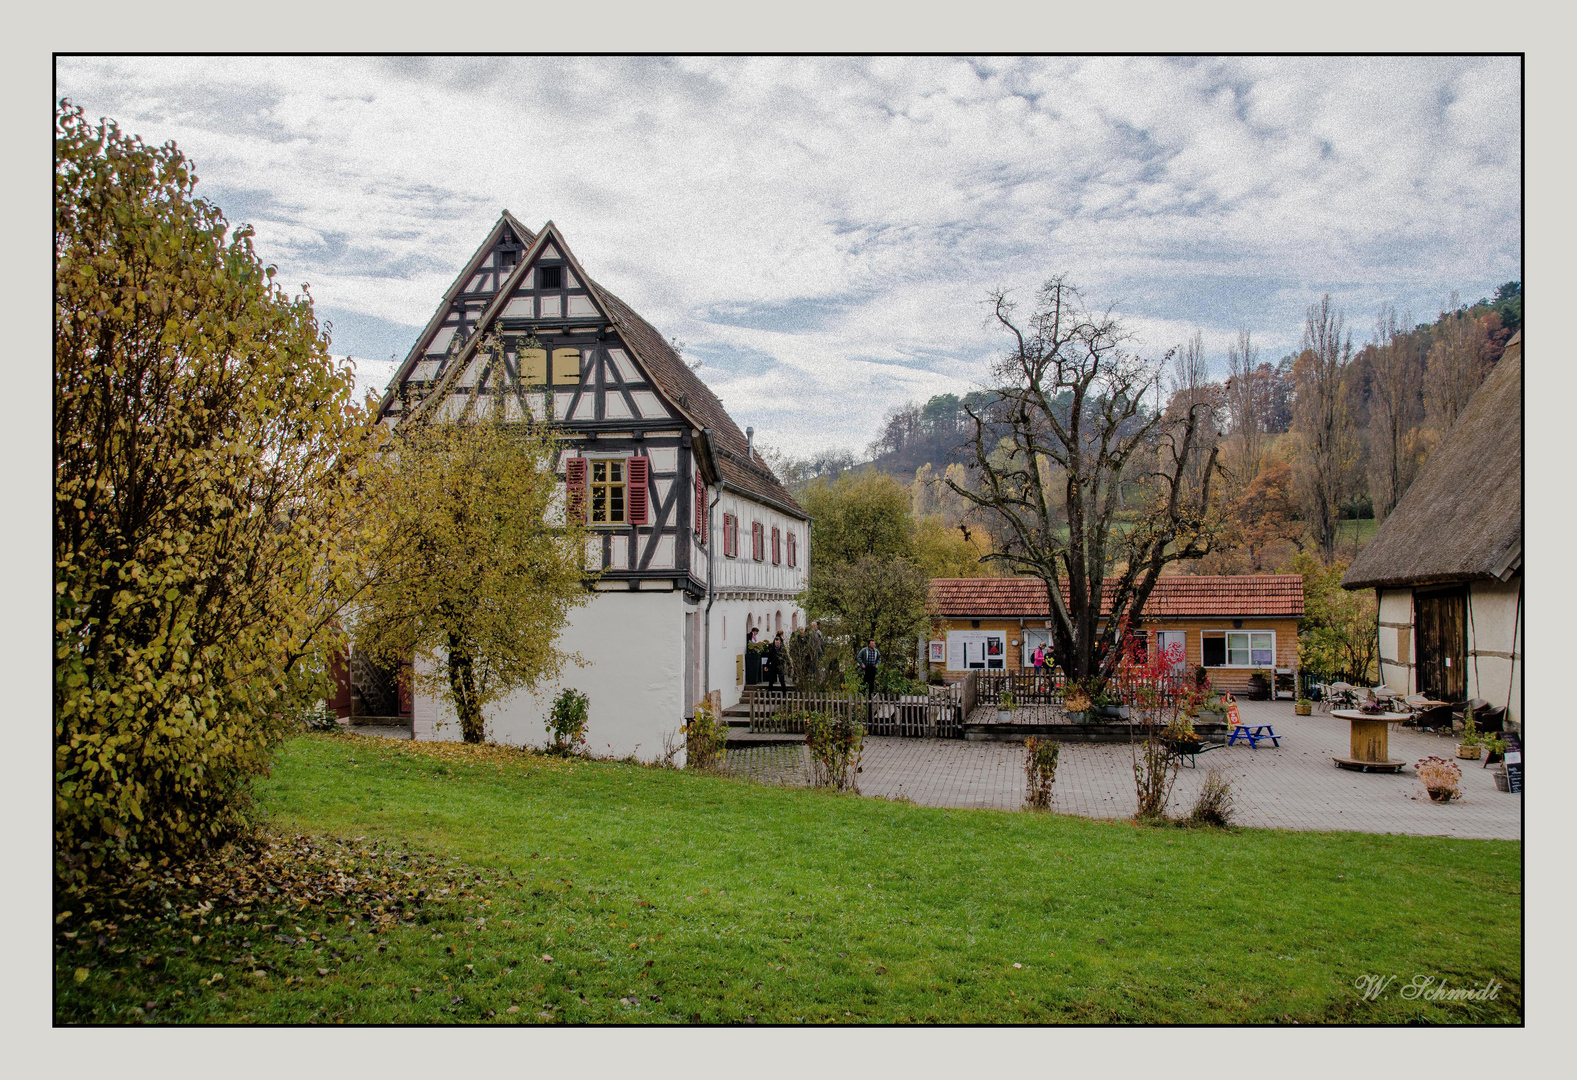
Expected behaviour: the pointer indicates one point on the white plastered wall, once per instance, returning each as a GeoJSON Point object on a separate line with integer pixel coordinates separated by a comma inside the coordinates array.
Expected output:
{"type": "Point", "coordinates": [1494, 620]}
{"type": "Point", "coordinates": [633, 679]}
{"type": "Point", "coordinates": [1396, 606]}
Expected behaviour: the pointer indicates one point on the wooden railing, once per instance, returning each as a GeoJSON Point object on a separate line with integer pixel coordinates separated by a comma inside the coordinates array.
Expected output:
{"type": "Point", "coordinates": [938, 714]}
{"type": "Point", "coordinates": [1030, 689]}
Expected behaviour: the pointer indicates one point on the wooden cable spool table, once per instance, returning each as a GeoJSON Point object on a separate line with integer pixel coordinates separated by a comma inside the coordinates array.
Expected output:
{"type": "Point", "coordinates": [1371, 733]}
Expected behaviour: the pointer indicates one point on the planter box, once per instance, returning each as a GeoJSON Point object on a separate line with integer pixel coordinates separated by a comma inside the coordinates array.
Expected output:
{"type": "Point", "coordinates": [1212, 716]}
{"type": "Point", "coordinates": [1303, 710]}
{"type": "Point", "coordinates": [1470, 753]}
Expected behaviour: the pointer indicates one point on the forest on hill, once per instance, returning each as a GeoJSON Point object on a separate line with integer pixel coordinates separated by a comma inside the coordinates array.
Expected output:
{"type": "Point", "coordinates": [1317, 447]}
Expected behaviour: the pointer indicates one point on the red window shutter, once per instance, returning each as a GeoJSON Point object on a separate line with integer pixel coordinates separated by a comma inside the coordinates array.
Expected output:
{"type": "Point", "coordinates": [635, 493]}
{"type": "Point", "coordinates": [791, 551]}
{"type": "Point", "coordinates": [777, 546]}
{"type": "Point", "coordinates": [757, 541]}
{"type": "Point", "coordinates": [728, 535]}
{"type": "Point", "coordinates": [575, 485]}
{"type": "Point", "coordinates": [700, 508]}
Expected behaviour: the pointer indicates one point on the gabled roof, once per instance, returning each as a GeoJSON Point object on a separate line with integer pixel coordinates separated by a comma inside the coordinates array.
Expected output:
{"type": "Point", "coordinates": [1461, 520]}
{"type": "Point", "coordinates": [1181, 596]}
{"type": "Point", "coordinates": [733, 460]}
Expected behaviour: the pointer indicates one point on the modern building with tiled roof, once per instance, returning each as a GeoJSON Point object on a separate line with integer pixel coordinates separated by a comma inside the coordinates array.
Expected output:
{"type": "Point", "coordinates": [1232, 625]}
{"type": "Point", "coordinates": [696, 540]}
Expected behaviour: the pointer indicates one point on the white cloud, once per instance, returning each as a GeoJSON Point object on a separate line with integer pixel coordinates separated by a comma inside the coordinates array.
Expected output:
{"type": "Point", "coordinates": [851, 213]}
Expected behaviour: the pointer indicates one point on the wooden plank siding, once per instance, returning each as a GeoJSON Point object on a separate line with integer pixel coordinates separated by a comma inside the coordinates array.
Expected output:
{"type": "Point", "coordinates": [1223, 678]}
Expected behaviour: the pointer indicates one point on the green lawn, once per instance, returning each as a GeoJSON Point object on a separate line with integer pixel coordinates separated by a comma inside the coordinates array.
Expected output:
{"type": "Point", "coordinates": [675, 896]}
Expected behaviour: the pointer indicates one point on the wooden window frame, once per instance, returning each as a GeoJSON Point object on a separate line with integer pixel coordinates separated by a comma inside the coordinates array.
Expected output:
{"type": "Point", "coordinates": [1227, 650]}
{"type": "Point", "coordinates": [610, 488]}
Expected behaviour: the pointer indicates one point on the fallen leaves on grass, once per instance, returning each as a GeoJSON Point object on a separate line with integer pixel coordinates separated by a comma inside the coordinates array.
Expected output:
{"type": "Point", "coordinates": [246, 881]}
{"type": "Point", "coordinates": [470, 754]}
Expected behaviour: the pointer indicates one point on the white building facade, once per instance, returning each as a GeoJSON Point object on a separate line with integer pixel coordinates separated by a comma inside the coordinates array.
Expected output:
{"type": "Point", "coordinates": [693, 538]}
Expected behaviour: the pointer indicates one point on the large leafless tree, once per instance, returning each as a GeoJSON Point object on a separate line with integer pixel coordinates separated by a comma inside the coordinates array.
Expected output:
{"type": "Point", "coordinates": [1245, 402]}
{"type": "Point", "coordinates": [1395, 410]}
{"type": "Point", "coordinates": [1322, 418]}
{"type": "Point", "coordinates": [1064, 444]}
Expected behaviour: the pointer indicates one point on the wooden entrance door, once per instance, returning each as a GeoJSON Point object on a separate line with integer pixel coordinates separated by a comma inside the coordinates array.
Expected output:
{"type": "Point", "coordinates": [1440, 618]}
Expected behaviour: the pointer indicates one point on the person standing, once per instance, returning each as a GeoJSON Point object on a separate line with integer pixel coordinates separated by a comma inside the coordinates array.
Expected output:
{"type": "Point", "coordinates": [777, 663]}
{"type": "Point", "coordinates": [868, 661]}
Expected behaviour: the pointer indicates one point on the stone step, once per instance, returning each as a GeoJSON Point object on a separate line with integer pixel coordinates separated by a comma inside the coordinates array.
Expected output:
{"type": "Point", "coordinates": [740, 739]}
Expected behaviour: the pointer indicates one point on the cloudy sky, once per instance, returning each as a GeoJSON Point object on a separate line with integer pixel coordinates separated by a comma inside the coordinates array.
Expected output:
{"type": "Point", "coordinates": [821, 233]}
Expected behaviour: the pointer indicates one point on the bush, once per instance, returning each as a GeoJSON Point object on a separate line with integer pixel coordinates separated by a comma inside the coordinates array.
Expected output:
{"type": "Point", "coordinates": [567, 722]}
{"type": "Point", "coordinates": [1214, 807]}
{"type": "Point", "coordinates": [1040, 770]}
{"type": "Point", "coordinates": [206, 447]}
{"type": "Point", "coordinates": [1154, 770]}
{"type": "Point", "coordinates": [705, 738]}
{"type": "Point", "coordinates": [836, 745]}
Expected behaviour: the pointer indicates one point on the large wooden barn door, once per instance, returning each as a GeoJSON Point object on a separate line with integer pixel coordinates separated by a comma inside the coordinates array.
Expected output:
{"type": "Point", "coordinates": [1441, 619]}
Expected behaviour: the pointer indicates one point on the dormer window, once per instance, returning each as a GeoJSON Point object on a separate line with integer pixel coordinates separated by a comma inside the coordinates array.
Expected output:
{"type": "Point", "coordinates": [550, 277]}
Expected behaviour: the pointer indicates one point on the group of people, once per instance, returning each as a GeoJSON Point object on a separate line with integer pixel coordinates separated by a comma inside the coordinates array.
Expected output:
{"type": "Point", "coordinates": [774, 669]}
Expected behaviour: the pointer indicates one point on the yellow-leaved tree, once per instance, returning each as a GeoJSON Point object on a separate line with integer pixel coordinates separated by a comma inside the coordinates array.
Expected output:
{"type": "Point", "coordinates": [478, 568]}
{"type": "Point", "coordinates": [205, 449]}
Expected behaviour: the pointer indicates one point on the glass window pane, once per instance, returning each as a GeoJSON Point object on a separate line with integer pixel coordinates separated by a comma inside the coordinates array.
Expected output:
{"type": "Point", "coordinates": [616, 471]}
{"type": "Point", "coordinates": [1237, 650]}
{"type": "Point", "coordinates": [1263, 649]}
{"type": "Point", "coordinates": [616, 503]}
{"type": "Point", "coordinates": [599, 470]}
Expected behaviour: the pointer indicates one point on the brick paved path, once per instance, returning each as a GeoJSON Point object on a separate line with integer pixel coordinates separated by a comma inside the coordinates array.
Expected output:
{"type": "Point", "coordinates": [1293, 787]}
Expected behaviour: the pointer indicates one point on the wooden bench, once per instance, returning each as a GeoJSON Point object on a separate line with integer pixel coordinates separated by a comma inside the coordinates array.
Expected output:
{"type": "Point", "coordinates": [1252, 732]}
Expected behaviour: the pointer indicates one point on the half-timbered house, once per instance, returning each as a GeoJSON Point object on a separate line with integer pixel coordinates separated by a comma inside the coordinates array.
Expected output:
{"type": "Point", "coordinates": [695, 539]}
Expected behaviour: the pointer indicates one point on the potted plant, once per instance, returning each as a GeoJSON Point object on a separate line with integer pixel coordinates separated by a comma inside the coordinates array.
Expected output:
{"type": "Point", "coordinates": [1303, 707]}
{"type": "Point", "coordinates": [1077, 703]}
{"type": "Point", "coordinates": [1472, 744]}
{"type": "Point", "coordinates": [1497, 749]}
{"type": "Point", "coordinates": [1439, 777]}
{"type": "Point", "coordinates": [1005, 706]}
{"type": "Point", "coordinates": [1212, 711]}
{"type": "Point", "coordinates": [1108, 707]}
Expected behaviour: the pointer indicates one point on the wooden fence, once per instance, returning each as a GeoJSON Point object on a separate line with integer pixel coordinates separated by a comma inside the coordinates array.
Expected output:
{"type": "Point", "coordinates": [1129, 687]}
{"type": "Point", "coordinates": [936, 715]}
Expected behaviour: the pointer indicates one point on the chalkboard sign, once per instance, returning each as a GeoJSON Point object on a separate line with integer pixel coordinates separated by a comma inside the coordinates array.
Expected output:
{"type": "Point", "coordinates": [1513, 761]}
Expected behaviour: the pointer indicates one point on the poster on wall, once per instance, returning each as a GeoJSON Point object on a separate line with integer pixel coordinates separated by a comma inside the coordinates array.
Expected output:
{"type": "Point", "coordinates": [938, 652]}
{"type": "Point", "coordinates": [976, 650]}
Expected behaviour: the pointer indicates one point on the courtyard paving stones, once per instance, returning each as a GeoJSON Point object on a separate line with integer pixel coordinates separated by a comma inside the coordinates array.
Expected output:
{"type": "Point", "coordinates": [1295, 786]}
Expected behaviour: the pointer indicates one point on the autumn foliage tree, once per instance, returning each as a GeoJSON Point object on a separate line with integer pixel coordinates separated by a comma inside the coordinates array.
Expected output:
{"type": "Point", "coordinates": [205, 444]}
{"type": "Point", "coordinates": [477, 568]}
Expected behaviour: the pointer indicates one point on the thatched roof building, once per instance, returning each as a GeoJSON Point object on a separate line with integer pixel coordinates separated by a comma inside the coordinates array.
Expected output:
{"type": "Point", "coordinates": [1461, 520]}
{"type": "Point", "coordinates": [1446, 566]}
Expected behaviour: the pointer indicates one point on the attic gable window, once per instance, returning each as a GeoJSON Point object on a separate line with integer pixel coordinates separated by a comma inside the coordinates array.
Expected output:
{"type": "Point", "coordinates": [550, 277]}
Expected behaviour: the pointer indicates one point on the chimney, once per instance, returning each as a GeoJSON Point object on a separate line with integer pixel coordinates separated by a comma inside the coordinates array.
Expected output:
{"type": "Point", "coordinates": [750, 443]}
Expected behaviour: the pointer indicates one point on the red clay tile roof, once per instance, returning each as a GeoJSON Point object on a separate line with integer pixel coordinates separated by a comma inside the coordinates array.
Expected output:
{"type": "Point", "coordinates": [1183, 596]}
